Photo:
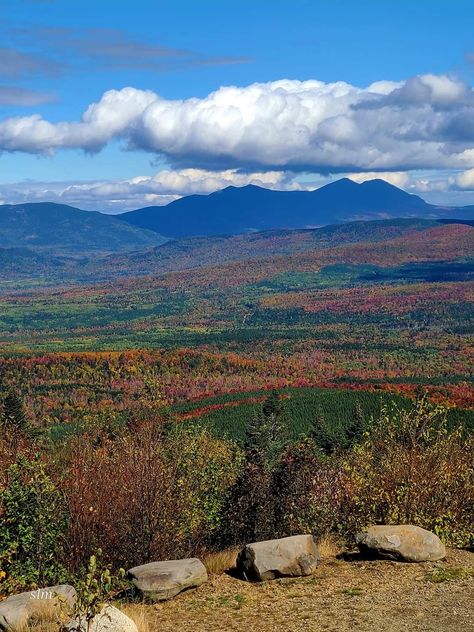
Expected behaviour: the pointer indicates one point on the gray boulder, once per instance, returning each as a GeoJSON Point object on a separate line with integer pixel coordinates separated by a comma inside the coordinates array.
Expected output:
{"type": "Point", "coordinates": [404, 542]}
{"type": "Point", "coordinates": [159, 581]}
{"type": "Point", "coordinates": [296, 556]}
{"type": "Point", "coordinates": [18, 610]}
{"type": "Point", "coordinates": [110, 619]}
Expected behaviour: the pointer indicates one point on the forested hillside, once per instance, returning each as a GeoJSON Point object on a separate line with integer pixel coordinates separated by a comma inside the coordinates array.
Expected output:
{"type": "Point", "coordinates": [62, 229]}
{"type": "Point", "coordinates": [392, 312]}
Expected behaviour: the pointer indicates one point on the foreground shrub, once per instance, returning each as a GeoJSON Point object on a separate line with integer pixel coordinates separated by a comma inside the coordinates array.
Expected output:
{"type": "Point", "coordinates": [94, 589]}
{"type": "Point", "coordinates": [32, 526]}
{"type": "Point", "coordinates": [411, 468]}
{"type": "Point", "coordinates": [208, 468]}
{"type": "Point", "coordinates": [309, 490]}
{"type": "Point", "coordinates": [149, 495]}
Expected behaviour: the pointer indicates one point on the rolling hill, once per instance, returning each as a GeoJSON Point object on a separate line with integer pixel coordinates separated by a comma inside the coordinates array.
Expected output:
{"type": "Point", "coordinates": [67, 230]}
{"type": "Point", "coordinates": [25, 268]}
{"type": "Point", "coordinates": [348, 304]}
{"type": "Point", "coordinates": [30, 268]}
{"type": "Point", "coordinates": [238, 210]}
{"type": "Point", "coordinates": [196, 252]}
{"type": "Point", "coordinates": [64, 230]}
{"type": "Point", "coordinates": [214, 292]}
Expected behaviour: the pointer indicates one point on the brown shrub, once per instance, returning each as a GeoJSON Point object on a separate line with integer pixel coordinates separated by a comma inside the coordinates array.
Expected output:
{"type": "Point", "coordinates": [146, 495]}
{"type": "Point", "coordinates": [310, 491]}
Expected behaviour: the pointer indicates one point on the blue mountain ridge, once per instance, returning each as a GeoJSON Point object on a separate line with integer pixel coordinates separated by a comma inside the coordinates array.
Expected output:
{"type": "Point", "coordinates": [236, 210]}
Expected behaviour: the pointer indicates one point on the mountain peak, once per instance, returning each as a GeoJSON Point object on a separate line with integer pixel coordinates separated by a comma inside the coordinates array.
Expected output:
{"type": "Point", "coordinates": [236, 210]}
{"type": "Point", "coordinates": [379, 183]}
{"type": "Point", "coordinates": [373, 183]}
{"type": "Point", "coordinates": [245, 187]}
{"type": "Point", "coordinates": [343, 183]}
{"type": "Point", "coordinates": [379, 187]}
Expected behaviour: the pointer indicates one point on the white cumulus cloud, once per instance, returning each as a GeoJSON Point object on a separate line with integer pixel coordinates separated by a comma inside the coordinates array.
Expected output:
{"type": "Point", "coordinates": [465, 180]}
{"type": "Point", "coordinates": [425, 122]}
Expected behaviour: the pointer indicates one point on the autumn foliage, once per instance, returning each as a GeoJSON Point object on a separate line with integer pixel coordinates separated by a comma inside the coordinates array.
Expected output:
{"type": "Point", "coordinates": [156, 490]}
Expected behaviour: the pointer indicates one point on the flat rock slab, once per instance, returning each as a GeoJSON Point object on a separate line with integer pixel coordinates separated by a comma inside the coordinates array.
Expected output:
{"type": "Point", "coordinates": [296, 556]}
{"type": "Point", "coordinates": [159, 581]}
{"type": "Point", "coordinates": [404, 542]}
{"type": "Point", "coordinates": [17, 610]}
{"type": "Point", "coordinates": [110, 619]}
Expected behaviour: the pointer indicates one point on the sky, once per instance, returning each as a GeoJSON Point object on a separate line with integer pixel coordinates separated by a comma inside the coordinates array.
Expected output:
{"type": "Point", "coordinates": [114, 105]}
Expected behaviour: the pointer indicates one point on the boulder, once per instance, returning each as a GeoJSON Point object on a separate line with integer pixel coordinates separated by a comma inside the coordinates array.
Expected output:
{"type": "Point", "coordinates": [17, 610]}
{"type": "Point", "coordinates": [404, 542]}
{"type": "Point", "coordinates": [296, 556]}
{"type": "Point", "coordinates": [159, 581]}
{"type": "Point", "coordinates": [110, 619]}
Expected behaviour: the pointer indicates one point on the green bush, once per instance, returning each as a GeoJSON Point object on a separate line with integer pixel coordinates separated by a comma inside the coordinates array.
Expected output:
{"type": "Point", "coordinates": [208, 468]}
{"type": "Point", "coordinates": [32, 527]}
{"type": "Point", "coordinates": [97, 586]}
{"type": "Point", "coordinates": [413, 468]}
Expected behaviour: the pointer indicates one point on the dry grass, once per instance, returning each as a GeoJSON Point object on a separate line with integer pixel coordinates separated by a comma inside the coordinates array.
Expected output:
{"type": "Point", "coordinates": [139, 615]}
{"type": "Point", "coordinates": [341, 596]}
{"type": "Point", "coordinates": [218, 563]}
{"type": "Point", "coordinates": [329, 546]}
{"type": "Point", "coordinates": [49, 614]}
{"type": "Point", "coordinates": [43, 626]}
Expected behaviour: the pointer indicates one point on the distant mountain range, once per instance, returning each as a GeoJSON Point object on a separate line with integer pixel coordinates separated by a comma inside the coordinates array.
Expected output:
{"type": "Point", "coordinates": [238, 210]}
{"type": "Point", "coordinates": [68, 230]}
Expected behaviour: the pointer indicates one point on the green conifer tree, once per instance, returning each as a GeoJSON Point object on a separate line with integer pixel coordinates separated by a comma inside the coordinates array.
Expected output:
{"type": "Point", "coordinates": [266, 438]}
{"type": "Point", "coordinates": [13, 413]}
{"type": "Point", "coordinates": [356, 428]}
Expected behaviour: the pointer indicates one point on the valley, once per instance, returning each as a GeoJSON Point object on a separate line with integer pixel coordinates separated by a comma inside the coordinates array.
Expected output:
{"type": "Point", "coordinates": [258, 369]}
{"type": "Point", "coordinates": [374, 303]}
{"type": "Point", "coordinates": [236, 316]}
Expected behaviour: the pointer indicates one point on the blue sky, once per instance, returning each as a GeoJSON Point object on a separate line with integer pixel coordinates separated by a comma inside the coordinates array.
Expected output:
{"type": "Point", "coordinates": [58, 57]}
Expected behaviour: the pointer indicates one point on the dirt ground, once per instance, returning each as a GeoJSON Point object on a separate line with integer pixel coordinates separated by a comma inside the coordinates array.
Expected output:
{"type": "Point", "coordinates": [376, 596]}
